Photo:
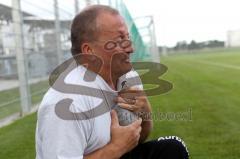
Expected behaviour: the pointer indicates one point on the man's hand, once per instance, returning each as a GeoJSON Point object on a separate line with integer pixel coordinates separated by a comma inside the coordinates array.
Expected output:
{"type": "Point", "coordinates": [125, 138]}
{"type": "Point", "coordinates": [135, 100]}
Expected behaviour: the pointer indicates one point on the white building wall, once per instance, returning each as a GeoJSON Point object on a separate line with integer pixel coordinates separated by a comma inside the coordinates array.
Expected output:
{"type": "Point", "coordinates": [8, 39]}
{"type": "Point", "coordinates": [233, 38]}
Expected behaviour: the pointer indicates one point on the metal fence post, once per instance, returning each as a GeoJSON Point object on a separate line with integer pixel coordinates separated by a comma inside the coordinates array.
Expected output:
{"type": "Point", "coordinates": [88, 2]}
{"type": "Point", "coordinates": [57, 33]}
{"type": "Point", "coordinates": [76, 6]}
{"type": "Point", "coordinates": [110, 2]}
{"type": "Point", "coordinates": [22, 62]}
{"type": "Point", "coordinates": [156, 57]}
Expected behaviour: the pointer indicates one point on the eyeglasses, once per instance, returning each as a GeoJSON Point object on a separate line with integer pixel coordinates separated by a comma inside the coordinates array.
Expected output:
{"type": "Point", "coordinates": [111, 45]}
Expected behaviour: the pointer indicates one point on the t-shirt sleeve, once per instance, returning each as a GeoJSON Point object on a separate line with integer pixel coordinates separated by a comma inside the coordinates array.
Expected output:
{"type": "Point", "coordinates": [130, 79]}
{"type": "Point", "coordinates": [57, 138]}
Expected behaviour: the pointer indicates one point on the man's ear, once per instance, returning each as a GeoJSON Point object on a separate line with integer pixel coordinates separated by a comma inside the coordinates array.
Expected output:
{"type": "Point", "coordinates": [86, 48]}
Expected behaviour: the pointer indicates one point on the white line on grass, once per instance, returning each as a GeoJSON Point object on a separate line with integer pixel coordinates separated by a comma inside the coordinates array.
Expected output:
{"type": "Point", "coordinates": [11, 118]}
{"type": "Point", "coordinates": [220, 65]}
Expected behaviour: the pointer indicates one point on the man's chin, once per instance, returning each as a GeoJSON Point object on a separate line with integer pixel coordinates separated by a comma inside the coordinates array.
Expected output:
{"type": "Point", "coordinates": [125, 70]}
{"type": "Point", "coordinates": [122, 68]}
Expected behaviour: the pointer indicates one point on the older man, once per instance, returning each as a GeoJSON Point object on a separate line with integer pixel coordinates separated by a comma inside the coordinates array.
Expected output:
{"type": "Point", "coordinates": [101, 39]}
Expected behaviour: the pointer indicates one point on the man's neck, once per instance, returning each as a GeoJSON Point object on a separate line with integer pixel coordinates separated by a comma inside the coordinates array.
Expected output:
{"type": "Point", "coordinates": [111, 79]}
{"type": "Point", "coordinates": [105, 73]}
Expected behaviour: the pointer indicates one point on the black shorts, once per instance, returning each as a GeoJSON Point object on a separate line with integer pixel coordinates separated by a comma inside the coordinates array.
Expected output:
{"type": "Point", "coordinates": [170, 147]}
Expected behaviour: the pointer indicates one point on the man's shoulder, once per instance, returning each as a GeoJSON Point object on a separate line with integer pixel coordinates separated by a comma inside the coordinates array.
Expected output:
{"type": "Point", "coordinates": [130, 79]}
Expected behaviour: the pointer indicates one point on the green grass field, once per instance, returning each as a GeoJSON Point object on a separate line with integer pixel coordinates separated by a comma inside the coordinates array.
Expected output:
{"type": "Point", "coordinates": [11, 98]}
{"type": "Point", "coordinates": [206, 83]}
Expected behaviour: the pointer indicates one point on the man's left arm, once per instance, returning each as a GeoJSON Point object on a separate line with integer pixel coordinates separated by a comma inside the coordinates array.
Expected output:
{"type": "Point", "coordinates": [147, 123]}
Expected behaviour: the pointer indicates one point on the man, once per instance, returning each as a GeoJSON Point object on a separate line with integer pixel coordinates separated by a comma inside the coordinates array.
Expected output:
{"type": "Point", "coordinates": [75, 119]}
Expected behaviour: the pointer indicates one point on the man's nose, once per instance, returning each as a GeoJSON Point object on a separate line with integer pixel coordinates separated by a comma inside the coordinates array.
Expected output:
{"type": "Point", "coordinates": [129, 49]}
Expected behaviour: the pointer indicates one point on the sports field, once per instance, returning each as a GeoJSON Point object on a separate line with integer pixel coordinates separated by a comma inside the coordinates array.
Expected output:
{"type": "Point", "coordinates": [206, 92]}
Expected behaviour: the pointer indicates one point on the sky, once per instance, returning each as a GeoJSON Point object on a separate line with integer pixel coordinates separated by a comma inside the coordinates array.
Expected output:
{"type": "Point", "coordinates": [198, 20]}
{"type": "Point", "coordinates": [175, 20]}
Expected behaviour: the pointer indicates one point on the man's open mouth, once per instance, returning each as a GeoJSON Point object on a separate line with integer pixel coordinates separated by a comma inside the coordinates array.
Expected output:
{"type": "Point", "coordinates": [127, 60]}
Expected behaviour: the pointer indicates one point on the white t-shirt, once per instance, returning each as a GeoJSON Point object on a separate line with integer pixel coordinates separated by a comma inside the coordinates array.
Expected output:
{"type": "Point", "coordinates": [60, 137]}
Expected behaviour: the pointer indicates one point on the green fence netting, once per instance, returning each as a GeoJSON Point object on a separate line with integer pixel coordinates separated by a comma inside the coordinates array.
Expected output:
{"type": "Point", "coordinates": [141, 50]}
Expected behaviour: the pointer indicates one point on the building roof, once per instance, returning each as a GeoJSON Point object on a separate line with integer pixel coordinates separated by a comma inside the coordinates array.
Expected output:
{"type": "Point", "coordinates": [30, 19]}
{"type": "Point", "coordinates": [6, 13]}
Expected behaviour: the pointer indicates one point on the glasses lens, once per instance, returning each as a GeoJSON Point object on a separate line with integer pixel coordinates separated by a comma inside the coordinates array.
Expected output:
{"type": "Point", "coordinates": [110, 45]}
{"type": "Point", "coordinates": [125, 43]}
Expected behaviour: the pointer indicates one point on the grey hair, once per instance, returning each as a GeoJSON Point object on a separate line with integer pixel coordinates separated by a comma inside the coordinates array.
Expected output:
{"type": "Point", "coordinates": [84, 26]}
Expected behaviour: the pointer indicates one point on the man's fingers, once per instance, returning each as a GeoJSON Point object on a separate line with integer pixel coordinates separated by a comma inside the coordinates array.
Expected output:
{"type": "Point", "coordinates": [125, 100]}
{"type": "Point", "coordinates": [114, 118]}
{"type": "Point", "coordinates": [136, 124]}
{"type": "Point", "coordinates": [120, 100]}
{"type": "Point", "coordinates": [139, 129]}
{"type": "Point", "coordinates": [129, 94]}
{"type": "Point", "coordinates": [130, 91]}
{"type": "Point", "coordinates": [127, 106]}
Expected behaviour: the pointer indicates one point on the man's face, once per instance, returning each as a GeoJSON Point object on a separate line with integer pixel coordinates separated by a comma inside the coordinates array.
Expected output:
{"type": "Point", "coordinates": [113, 44]}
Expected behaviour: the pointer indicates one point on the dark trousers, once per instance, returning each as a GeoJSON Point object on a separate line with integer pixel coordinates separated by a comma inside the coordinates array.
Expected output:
{"type": "Point", "coordinates": [170, 147]}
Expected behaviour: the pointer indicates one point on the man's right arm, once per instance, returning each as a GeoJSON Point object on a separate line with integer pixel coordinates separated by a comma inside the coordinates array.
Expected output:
{"type": "Point", "coordinates": [123, 139]}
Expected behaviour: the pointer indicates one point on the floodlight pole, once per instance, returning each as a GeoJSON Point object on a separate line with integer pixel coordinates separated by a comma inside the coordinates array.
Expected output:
{"type": "Point", "coordinates": [22, 62]}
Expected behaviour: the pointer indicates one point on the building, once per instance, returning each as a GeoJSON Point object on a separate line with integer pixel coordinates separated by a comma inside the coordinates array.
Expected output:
{"type": "Point", "coordinates": [39, 43]}
{"type": "Point", "coordinates": [233, 38]}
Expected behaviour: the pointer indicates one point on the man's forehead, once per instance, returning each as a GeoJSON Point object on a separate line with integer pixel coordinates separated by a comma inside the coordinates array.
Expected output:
{"type": "Point", "coordinates": [111, 23]}
{"type": "Point", "coordinates": [112, 31]}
